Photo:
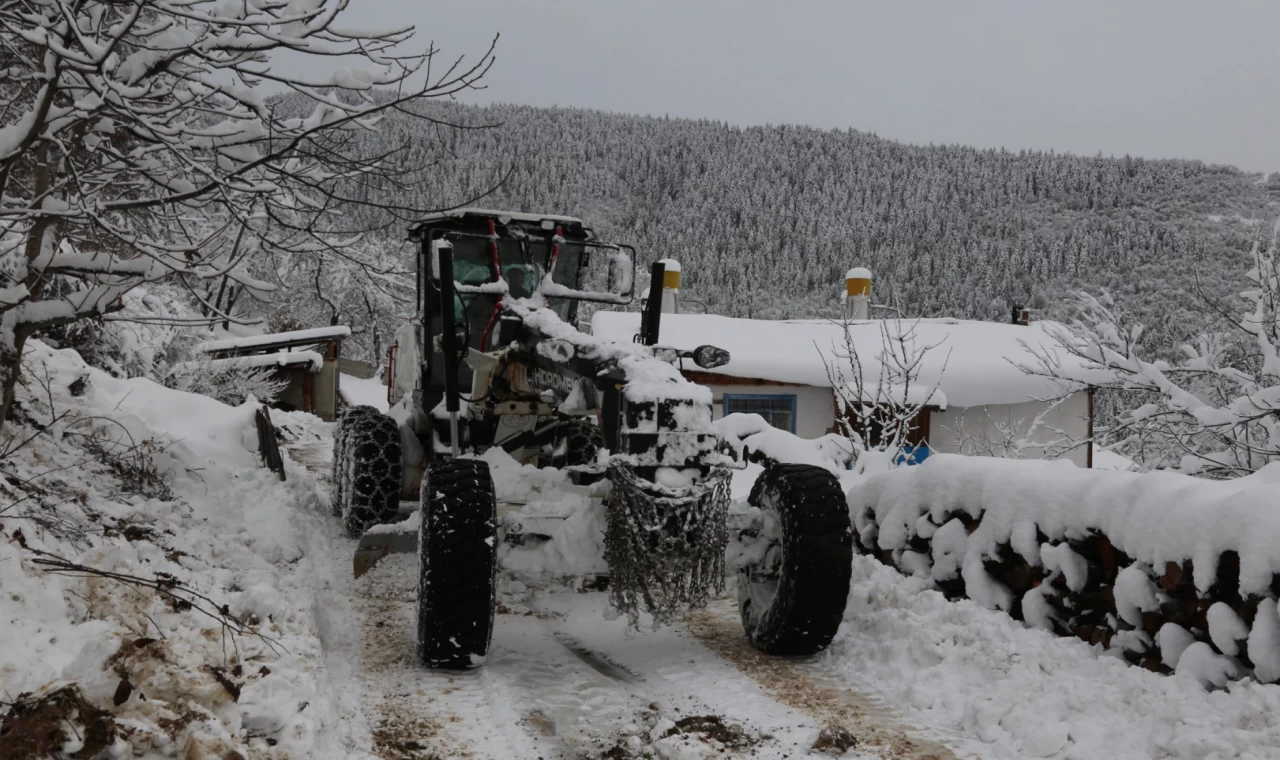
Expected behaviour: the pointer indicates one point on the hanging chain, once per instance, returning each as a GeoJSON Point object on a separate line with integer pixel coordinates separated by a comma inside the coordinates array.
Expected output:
{"type": "Point", "coordinates": [665, 547]}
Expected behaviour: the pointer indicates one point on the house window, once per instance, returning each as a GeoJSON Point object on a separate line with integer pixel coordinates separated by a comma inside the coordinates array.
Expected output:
{"type": "Point", "coordinates": [777, 410]}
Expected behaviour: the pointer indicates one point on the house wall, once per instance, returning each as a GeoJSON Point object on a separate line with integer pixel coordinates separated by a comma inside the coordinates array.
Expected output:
{"type": "Point", "coordinates": [954, 431]}
{"type": "Point", "coordinates": [979, 430]}
{"type": "Point", "coordinates": [325, 389]}
{"type": "Point", "coordinates": [815, 412]}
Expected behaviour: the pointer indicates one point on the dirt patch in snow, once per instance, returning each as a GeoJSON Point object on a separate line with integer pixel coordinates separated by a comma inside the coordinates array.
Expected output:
{"type": "Point", "coordinates": [656, 735]}
{"type": "Point", "coordinates": [58, 724]}
{"type": "Point", "coordinates": [874, 728]}
{"type": "Point", "coordinates": [713, 728]}
{"type": "Point", "coordinates": [834, 740]}
{"type": "Point", "coordinates": [401, 730]}
{"type": "Point", "coordinates": [396, 740]}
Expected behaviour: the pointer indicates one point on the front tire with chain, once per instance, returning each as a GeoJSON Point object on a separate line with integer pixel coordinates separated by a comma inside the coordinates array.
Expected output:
{"type": "Point", "coordinates": [792, 593]}
{"type": "Point", "coordinates": [366, 469]}
{"type": "Point", "coordinates": [457, 564]}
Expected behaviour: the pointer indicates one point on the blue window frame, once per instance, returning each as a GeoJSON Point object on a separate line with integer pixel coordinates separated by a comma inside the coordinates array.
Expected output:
{"type": "Point", "coordinates": [778, 410]}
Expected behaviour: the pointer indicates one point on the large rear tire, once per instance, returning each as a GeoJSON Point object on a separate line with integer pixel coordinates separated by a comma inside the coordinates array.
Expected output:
{"type": "Point", "coordinates": [792, 591]}
{"type": "Point", "coordinates": [457, 564]}
{"type": "Point", "coordinates": [366, 469]}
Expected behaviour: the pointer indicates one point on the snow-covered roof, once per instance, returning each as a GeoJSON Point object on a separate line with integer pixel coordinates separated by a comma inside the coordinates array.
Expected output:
{"type": "Point", "coordinates": [310, 359]}
{"type": "Point", "coordinates": [314, 335]}
{"type": "Point", "coordinates": [972, 363]}
{"type": "Point", "coordinates": [501, 215]}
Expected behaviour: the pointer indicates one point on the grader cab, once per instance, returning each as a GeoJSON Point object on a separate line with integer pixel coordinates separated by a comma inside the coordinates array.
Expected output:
{"type": "Point", "coordinates": [493, 359]}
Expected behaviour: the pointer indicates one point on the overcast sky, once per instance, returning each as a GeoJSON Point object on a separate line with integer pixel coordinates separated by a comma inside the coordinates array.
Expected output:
{"type": "Point", "coordinates": [1157, 78]}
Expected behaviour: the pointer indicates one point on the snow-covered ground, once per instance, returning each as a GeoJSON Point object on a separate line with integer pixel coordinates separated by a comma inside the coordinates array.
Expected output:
{"type": "Point", "coordinates": [1000, 690]}
{"type": "Point", "coordinates": [332, 675]}
{"type": "Point", "coordinates": [164, 487]}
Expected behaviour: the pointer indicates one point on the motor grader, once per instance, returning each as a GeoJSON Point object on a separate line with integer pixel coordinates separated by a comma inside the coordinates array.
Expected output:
{"type": "Point", "coordinates": [493, 359]}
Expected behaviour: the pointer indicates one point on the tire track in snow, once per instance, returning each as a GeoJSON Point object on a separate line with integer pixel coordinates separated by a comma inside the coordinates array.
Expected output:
{"type": "Point", "coordinates": [676, 670]}
{"type": "Point", "coordinates": [801, 685]}
{"type": "Point", "coordinates": [424, 714]}
{"type": "Point", "coordinates": [394, 708]}
{"type": "Point", "coordinates": [533, 698]}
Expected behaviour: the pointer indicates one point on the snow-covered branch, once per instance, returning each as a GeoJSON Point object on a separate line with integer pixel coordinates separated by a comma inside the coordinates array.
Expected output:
{"type": "Point", "coordinates": [138, 143]}
{"type": "Point", "coordinates": [1217, 411]}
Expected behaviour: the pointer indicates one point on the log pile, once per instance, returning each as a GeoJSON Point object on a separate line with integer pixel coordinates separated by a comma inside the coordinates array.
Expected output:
{"type": "Point", "coordinates": [1089, 612]}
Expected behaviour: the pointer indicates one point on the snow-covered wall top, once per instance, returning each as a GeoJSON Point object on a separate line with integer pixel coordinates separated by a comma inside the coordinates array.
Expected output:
{"type": "Point", "coordinates": [1155, 518]}
{"type": "Point", "coordinates": [317, 334]}
{"type": "Point", "coordinates": [971, 363]}
{"type": "Point", "coordinates": [313, 361]}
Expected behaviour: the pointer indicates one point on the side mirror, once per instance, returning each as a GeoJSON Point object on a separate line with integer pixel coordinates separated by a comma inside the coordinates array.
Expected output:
{"type": "Point", "coordinates": [608, 274]}
{"type": "Point", "coordinates": [622, 272]}
{"type": "Point", "coordinates": [710, 357]}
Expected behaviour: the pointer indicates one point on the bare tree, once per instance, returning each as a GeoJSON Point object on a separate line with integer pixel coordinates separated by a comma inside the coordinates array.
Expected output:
{"type": "Point", "coordinates": [137, 144]}
{"type": "Point", "coordinates": [879, 398]}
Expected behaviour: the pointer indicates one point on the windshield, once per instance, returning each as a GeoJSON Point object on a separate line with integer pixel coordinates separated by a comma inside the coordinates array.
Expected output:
{"type": "Point", "coordinates": [523, 265]}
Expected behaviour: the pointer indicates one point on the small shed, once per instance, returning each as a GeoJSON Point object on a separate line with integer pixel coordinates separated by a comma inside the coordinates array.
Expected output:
{"type": "Point", "coordinates": [308, 360]}
{"type": "Point", "coordinates": [979, 396]}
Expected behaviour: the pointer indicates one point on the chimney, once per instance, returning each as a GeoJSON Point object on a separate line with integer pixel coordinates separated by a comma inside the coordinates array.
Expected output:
{"type": "Point", "coordinates": [670, 287]}
{"type": "Point", "coordinates": [1021, 315]}
{"type": "Point", "coordinates": [857, 288]}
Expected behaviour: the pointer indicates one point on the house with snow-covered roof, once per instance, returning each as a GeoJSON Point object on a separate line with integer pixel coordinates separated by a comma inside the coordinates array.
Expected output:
{"type": "Point", "coordinates": [970, 379]}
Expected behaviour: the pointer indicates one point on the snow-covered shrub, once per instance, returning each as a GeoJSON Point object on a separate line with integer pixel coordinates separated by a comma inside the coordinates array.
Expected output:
{"type": "Point", "coordinates": [228, 382]}
{"type": "Point", "coordinates": [146, 337]}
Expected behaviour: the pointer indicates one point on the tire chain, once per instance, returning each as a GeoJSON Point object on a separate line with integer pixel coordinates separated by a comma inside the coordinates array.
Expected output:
{"type": "Point", "coordinates": [666, 553]}
{"type": "Point", "coordinates": [366, 468]}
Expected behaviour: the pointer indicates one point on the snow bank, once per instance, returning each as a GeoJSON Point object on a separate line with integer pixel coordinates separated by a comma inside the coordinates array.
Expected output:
{"type": "Point", "coordinates": [141, 480]}
{"type": "Point", "coordinates": [1001, 691]}
{"type": "Point", "coordinates": [1117, 557]}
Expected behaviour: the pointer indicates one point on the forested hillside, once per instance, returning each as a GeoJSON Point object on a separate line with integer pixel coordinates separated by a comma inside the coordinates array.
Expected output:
{"type": "Point", "coordinates": [767, 219]}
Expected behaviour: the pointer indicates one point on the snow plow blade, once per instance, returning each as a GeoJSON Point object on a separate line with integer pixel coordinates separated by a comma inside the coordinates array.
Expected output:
{"type": "Point", "coordinates": [374, 546]}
